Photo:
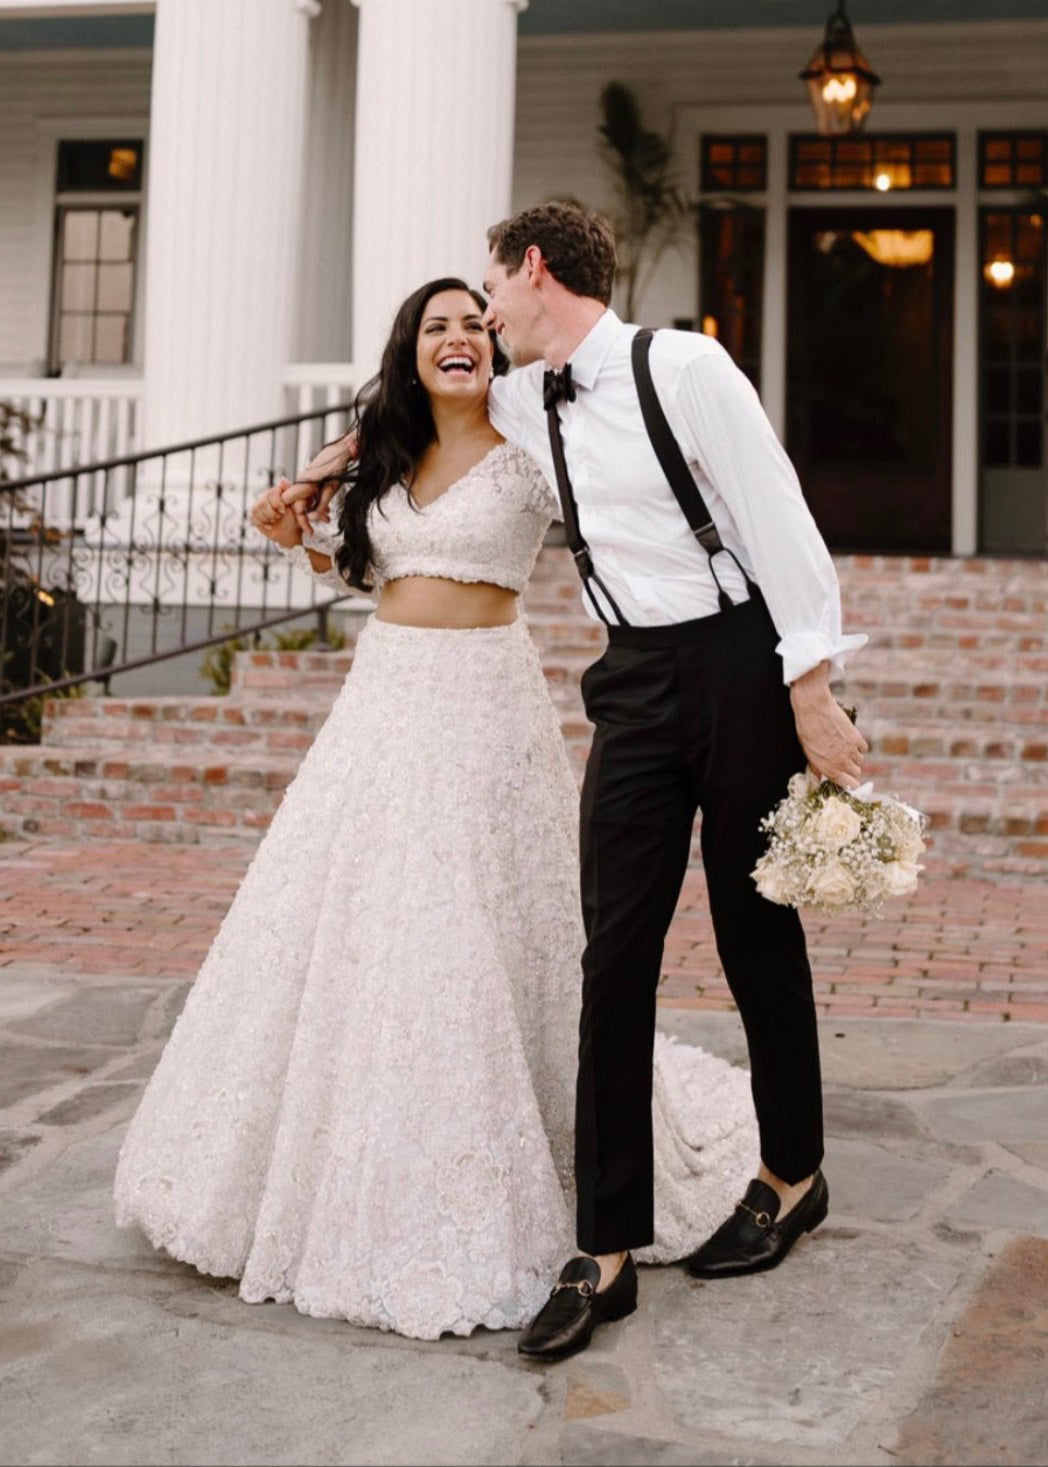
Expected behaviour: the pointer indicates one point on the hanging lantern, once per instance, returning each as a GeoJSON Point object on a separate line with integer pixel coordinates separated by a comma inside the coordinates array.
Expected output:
{"type": "Point", "coordinates": [840, 82]}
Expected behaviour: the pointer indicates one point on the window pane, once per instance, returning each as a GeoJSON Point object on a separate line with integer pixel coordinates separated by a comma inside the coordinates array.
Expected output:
{"type": "Point", "coordinates": [998, 382]}
{"type": "Point", "coordinates": [74, 339]}
{"type": "Point", "coordinates": [116, 235]}
{"type": "Point", "coordinates": [114, 287]}
{"type": "Point", "coordinates": [78, 287]}
{"type": "Point", "coordinates": [1028, 443]}
{"type": "Point", "coordinates": [1013, 160]}
{"type": "Point", "coordinates": [735, 163]}
{"type": "Point", "coordinates": [1029, 391]}
{"type": "Point", "coordinates": [884, 162]}
{"type": "Point", "coordinates": [110, 335]}
{"type": "Point", "coordinates": [94, 164]}
{"type": "Point", "coordinates": [80, 241]}
{"type": "Point", "coordinates": [995, 444]}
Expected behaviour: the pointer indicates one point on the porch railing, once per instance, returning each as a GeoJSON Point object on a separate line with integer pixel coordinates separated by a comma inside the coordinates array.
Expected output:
{"type": "Point", "coordinates": [73, 420]}
{"type": "Point", "coordinates": [150, 556]}
{"type": "Point", "coordinates": [70, 421]}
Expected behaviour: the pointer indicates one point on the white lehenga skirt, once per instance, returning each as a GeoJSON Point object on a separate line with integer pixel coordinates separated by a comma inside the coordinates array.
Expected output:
{"type": "Point", "coordinates": [366, 1106]}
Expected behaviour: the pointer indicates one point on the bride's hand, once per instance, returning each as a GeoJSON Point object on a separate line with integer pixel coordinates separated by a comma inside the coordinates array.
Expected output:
{"type": "Point", "coordinates": [274, 519]}
{"type": "Point", "coordinates": [318, 483]}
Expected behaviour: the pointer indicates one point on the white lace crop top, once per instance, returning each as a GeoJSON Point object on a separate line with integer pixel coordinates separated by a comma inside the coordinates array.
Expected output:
{"type": "Point", "coordinates": [488, 526]}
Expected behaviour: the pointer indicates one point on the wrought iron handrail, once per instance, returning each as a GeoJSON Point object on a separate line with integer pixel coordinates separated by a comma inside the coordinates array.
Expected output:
{"type": "Point", "coordinates": [112, 566]}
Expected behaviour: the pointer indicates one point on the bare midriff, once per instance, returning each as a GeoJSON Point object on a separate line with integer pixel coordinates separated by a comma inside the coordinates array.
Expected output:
{"type": "Point", "coordinates": [433, 601]}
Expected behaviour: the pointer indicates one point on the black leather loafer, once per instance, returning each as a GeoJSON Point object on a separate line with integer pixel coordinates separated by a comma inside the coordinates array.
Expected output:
{"type": "Point", "coordinates": [566, 1322]}
{"type": "Point", "coordinates": [751, 1240]}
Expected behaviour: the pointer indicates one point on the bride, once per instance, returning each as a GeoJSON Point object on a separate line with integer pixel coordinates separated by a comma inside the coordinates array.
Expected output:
{"type": "Point", "coordinates": [366, 1106]}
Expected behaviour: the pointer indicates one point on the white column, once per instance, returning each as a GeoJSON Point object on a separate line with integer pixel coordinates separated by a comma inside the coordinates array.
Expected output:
{"type": "Point", "coordinates": [224, 189]}
{"type": "Point", "coordinates": [436, 90]}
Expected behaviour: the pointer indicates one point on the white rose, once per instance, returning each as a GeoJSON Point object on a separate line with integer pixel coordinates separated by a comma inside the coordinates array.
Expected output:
{"type": "Point", "coordinates": [836, 824]}
{"type": "Point", "coordinates": [900, 877]}
{"type": "Point", "coordinates": [798, 786]}
{"type": "Point", "coordinates": [771, 881]}
{"type": "Point", "coordinates": [831, 885]}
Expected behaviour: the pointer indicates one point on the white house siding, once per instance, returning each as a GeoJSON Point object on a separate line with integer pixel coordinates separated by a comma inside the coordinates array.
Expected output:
{"type": "Point", "coordinates": [677, 75]}
{"type": "Point", "coordinates": [45, 95]}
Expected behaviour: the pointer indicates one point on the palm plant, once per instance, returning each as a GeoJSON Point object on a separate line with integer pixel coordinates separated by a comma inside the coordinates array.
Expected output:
{"type": "Point", "coordinates": [653, 212]}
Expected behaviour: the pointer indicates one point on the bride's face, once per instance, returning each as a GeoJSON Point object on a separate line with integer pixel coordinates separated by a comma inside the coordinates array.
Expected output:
{"type": "Point", "coordinates": [453, 355]}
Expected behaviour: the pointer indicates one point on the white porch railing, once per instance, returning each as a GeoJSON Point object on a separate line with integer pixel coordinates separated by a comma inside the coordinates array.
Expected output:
{"type": "Point", "coordinates": [75, 421]}
{"type": "Point", "coordinates": [312, 385]}
{"type": "Point", "coordinates": [80, 421]}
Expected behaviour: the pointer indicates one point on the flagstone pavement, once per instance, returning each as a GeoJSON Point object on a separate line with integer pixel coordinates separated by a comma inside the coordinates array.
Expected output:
{"type": "Point", "coordinates": [911, 1328]}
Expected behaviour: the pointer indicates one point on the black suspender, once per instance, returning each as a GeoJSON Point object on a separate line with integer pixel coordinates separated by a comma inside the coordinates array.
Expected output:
{"type": "Point", "coordinates": [678, 475]}
{"type": "Point", "coordinates": [674, 467]}
{"type": "Point", "coordinates": [569, 509]}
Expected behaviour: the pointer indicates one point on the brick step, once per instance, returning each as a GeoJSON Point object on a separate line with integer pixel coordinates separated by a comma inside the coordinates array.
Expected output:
{"type": "Point", "coordinates": [190, 795]}
{"type": "Point", "coordinates": [147, 794]}
{"type": "Point", "coordinates": [305, 672]}
{"type": "Point", "coordinates": [219, 723]}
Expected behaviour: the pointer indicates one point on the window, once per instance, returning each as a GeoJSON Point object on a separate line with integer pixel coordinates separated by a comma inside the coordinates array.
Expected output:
{"type": "Point", "coordinates": [731, 282]}
{"type": "Point", "coordinates": [97, 206]}
{"type": "Point", "coordinates": [1013, 338]}
{"type": "Point", "coordinates": [1013, 159]}
{"type": "Point", "coordinates": [736, 164]}
{"type": "Point", "coordinates": [884, 162]}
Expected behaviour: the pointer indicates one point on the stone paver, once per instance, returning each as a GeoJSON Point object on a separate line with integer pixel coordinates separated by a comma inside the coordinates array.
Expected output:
{"type": "Point", "coordinates": [910, 1327]}
{"type": "Point", "coordinates": [958, 949]}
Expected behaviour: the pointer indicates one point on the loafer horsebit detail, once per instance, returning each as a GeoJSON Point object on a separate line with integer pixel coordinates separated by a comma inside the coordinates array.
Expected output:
{"type": "Point", "coordinates": [584, 1287]}
{"type": "Point", "coordinates": [762, 1219]}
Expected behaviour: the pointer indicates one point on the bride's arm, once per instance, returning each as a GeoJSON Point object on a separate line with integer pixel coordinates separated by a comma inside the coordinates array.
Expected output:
{"type": "Point", "coordinates": [279, 523]}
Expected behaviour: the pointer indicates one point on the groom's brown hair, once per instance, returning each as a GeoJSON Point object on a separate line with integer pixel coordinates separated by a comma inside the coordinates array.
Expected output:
{"type": "Point", "coordinates": [577, 245]}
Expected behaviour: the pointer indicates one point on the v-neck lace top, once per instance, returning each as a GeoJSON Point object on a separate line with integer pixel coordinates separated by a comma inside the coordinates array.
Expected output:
{"type": "Point", "coordinates": [487, 526]}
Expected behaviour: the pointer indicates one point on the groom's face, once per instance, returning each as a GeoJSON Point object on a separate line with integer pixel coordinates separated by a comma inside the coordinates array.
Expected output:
{"type": "Point", "coordinates": [513, 309]}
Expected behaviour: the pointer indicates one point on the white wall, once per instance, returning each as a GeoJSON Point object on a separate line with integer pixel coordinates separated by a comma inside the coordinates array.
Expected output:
{"type": "Point", "coordinates": [676, 74]}
{"type": "Point", "coordinates": [43, 95]}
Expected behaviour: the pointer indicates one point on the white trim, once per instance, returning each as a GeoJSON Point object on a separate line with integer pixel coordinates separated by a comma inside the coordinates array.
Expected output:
{"type": "Point", "coordinates": [50, 131]}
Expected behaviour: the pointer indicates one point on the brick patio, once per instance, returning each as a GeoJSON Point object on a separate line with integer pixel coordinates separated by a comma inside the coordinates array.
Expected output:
{"type": "Point", "coordinates": [132, 824]}
{"type": "Point", "coordinates": [956, 949]}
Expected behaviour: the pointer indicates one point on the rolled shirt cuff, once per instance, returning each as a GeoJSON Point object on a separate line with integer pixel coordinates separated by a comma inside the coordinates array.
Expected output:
{"type": "Point", "coordinates": [801, 651]}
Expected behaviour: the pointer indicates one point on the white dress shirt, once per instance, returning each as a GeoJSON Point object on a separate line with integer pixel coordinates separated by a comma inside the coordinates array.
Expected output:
{"type": "Point", "coordinates": [641, 544]}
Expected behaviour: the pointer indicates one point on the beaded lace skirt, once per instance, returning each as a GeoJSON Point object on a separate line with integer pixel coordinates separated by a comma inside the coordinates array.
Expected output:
{"type": "Point", "coordinates": [366, 1106]}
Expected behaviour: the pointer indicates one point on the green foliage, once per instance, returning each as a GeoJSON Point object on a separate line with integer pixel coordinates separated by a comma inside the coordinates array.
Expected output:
{"type": "Point", "coordinates": [217, 666]}
{"type": "Point", "coordinates": [20, 723]}
{"type": "Point", "coordinates": [653, 212]}
{"type": "Point", "coordinates": [15, 424]}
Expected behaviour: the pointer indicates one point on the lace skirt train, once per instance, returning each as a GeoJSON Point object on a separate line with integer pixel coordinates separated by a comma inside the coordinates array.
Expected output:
{"type": "Point", "coordinates": [366, 1106]}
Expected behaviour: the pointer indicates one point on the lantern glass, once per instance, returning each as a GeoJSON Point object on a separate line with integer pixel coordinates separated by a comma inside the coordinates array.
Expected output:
{"type": "Point", "coordinates": [839, 79]}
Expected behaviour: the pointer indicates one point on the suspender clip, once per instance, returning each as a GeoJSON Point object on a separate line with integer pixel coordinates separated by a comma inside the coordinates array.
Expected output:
{"type": "Point", "coordinates": [583, 562]}
{"type": "Point", "coordinates": [709, 538]}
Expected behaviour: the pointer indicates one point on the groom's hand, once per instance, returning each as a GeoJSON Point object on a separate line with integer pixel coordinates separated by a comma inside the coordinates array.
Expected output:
{"type": "Point", "coordinates": [833, 745]}
{"type": "Point", "coordinates": [318, 483]}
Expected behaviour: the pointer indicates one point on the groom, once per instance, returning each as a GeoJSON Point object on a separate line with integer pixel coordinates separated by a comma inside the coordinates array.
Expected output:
{"type": "Point", "coordinates": [724, 622]}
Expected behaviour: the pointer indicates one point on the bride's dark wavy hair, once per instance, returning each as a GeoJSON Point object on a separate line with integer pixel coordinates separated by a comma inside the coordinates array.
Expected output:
{"type": "Point", "coordinates": [394, 428]}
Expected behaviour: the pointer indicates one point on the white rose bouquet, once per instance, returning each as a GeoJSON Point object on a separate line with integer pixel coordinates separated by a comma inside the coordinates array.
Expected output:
{"type": "Point", "coordinates": [838, 850]}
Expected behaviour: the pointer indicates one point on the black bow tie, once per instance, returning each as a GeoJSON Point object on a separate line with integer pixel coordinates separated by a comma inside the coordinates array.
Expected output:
{"type": "Point", "coordinates": [557, 387]}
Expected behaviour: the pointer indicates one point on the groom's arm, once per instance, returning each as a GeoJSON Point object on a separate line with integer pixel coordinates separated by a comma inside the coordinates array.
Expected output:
{"type": "Point", "coordinates": [722, 422]}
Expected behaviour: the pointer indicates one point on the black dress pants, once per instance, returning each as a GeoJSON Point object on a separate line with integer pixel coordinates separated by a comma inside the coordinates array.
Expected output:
{"type": "Point", "coordinates": [688, 717]}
